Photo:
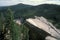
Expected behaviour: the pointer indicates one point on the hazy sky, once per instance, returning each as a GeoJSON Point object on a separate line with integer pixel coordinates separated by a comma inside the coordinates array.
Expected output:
{"type": "Point", "coordinates": [30, 2]}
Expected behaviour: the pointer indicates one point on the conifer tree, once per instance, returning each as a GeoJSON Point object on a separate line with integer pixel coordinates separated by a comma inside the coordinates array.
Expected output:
{"type": "Point", "coordinates": [12, 26]}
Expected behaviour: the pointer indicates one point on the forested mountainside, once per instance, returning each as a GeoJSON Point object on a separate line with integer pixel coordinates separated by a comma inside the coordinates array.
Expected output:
{"type": "Point", "coordinates": [49, 11]}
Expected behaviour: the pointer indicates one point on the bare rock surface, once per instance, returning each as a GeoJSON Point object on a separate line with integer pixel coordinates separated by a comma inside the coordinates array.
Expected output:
{"type": "Point", "coordinates": [45, 25]}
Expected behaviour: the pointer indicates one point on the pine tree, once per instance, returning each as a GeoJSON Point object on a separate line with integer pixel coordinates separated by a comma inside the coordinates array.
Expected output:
{"type": "Point", "coordinates": [12, 26]}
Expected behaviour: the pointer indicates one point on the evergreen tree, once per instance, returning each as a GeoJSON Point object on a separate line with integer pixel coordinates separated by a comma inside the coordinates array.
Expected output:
{"type": "Point", "coordinates": [12, 26]}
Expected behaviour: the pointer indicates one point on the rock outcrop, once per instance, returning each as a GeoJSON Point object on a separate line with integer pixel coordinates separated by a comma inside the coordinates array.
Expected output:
{"type": "Point", "coordinates": [44, 24]}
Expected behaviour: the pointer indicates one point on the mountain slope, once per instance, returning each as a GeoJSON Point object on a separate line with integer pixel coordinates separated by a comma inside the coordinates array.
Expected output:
{"type": "Point", "coordinates": [49, 11]}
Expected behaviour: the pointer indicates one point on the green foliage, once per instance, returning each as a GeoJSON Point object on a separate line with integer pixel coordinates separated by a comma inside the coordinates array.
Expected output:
{"type": "Point", "coordinates": [24, 32]}
{"type": "Point", "coordinates": [1, 22]}
{"type": "Point", "coordinates": [17, 32]}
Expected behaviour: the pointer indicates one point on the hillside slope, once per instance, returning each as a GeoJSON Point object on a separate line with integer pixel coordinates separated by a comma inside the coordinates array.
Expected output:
{"type": "Point", "coordinates": [49, 11]}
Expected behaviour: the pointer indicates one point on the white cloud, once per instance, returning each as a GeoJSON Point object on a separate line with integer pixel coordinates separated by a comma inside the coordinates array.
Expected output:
{"type": "Point", "coordinates": [33, 2]}
{"type": "Point", "coordinates": [37, 2]}
{"type": "Point", "coordinates": [30, 2]}
{"type": "Point", "coordinates": [8, 2]}
{"type": "Point", "coordinates": [53, 2]}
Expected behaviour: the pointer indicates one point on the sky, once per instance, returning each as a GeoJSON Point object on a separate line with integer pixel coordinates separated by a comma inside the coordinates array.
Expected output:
{"type": "Point", "coordinates": [29, 2]}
